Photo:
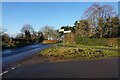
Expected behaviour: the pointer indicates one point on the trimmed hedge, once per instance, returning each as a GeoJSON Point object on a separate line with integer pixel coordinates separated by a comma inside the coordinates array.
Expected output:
{"type": "Point", "coordinates": [91, 41]}
{"type": "Point", "coordinates": [110, 42]}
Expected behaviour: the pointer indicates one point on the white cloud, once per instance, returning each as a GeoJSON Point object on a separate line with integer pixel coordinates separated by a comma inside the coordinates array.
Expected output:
{"type": "Point", "coordinates": [12, 34]}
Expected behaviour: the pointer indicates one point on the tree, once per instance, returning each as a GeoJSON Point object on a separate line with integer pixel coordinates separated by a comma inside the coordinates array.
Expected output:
{"type": "Point", "coordinates": [95, 12]}
{"type": "Point", "coordinates": [76, 24]}
{"type": "Point", "coordinates": [34, 36]}
{"type": "Point", "coordinates": [67, 28]}
{"type": "Point", "coordinates": [27, 27]}
{"type": "Point", "coordinates": [5, 37]}
{"type": "Point", "coordinates": [115, 24]}
{"type": "Point", "coordinates": [82, 28]}
{"type": "Point", "coordinates": [48, 32]}
{"type": "Point", "coordinates": [100, 32]}
{"type": "Point", "coordinates": [40, 36]}
{"type": "Point", "coordinates": [27, 35]}
{"type": "Point", "coordinates": [56, 35]}
{"type": "Point", "coordinates": [27, 30]}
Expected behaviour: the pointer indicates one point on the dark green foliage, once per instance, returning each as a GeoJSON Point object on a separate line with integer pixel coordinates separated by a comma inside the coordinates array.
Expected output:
{"type": "Point", "coordinates": [66, 28]}
{"type": "Point", "coordinates": [5, 38]}
{"type": "Point", "coordinates": [40, 36]}
{"type": "Point", "coordinates": [27, 29]}
{"type": "Point", "coordinates": [91, 41]}
{"type": "Point", "coordinates": [27, 35]}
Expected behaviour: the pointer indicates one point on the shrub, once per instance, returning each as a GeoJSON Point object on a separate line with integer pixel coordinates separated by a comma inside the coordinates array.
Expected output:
{"type": "Point", "coordinates": [91, 41]}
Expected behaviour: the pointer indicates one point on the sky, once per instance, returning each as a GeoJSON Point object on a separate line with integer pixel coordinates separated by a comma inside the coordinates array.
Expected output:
{"type": "Point", "coordinates": [39, 14]}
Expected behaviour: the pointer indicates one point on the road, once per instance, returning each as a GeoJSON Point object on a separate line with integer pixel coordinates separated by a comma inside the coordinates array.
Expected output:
{"type": "Point", "coordinates": [101, 68]}
{"type": "Point", "coordinates": [104, 68]}
{"type": "Point", "coordinates": [12, 56]}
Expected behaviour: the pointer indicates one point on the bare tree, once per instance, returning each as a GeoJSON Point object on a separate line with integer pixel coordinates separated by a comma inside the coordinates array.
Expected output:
{"type": "Point", "coordinates": [27, 27]}
{"type": "Point", "coordinates": [27, 30]}
{"type": "Point", "coordinates": [48, 32]}
{"type": "Point", "coordinates": [5, 37]}
{"type": "Point", "coordinates": [95, 12]}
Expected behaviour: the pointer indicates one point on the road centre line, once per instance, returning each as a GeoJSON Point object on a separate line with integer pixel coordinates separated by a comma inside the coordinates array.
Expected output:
{"type": "Point", "coordinates": [3, 73]}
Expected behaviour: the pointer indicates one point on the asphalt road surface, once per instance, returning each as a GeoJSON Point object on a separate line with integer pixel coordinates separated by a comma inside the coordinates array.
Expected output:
{"type": "Point", "coordinates": [104, 68]}
{"type": "Point", "coordinates": [12, 56]}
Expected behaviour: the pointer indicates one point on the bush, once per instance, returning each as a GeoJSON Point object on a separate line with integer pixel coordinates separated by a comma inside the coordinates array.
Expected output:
{"type": "Point", "coordinates": [91, 41]}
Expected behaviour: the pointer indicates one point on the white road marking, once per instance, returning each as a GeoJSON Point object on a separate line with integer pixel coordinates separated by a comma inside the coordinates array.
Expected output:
{"type": "Point", "coordinates": [19, 64]}
{"type": "Point", "coordinates": [11, 68]}
{"type": "Point", "coordinates": [16, 66]}
{"type": "Point", "coordinates": [3, 73]}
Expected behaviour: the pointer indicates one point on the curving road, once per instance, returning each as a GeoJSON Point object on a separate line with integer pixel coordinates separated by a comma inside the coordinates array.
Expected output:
{"type": "Point", "coordinates": [102, 68]}
{"type": "Point", "coordinates": [12, 56]}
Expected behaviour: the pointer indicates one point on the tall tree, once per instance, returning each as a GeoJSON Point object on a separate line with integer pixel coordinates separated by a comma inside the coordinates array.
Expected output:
{"type": "Point", "coordinates": [27, 27]}
{"type": "Point", "coordinates": [95, 12]}
{"type": "Point", "coordinates": [115, 24]}
{"type": "Point", "coordinates": [27, 30]}
{"type": "Point", "coordinates": [82, 29]}
{"type": "Point", "coordinates": [40, 36]}
{"type": "Point", "coordinates": [34, 36]}
{"type": "Point", "coordinates": [48, 32]}
{"type": "Point", "coordinates": [101, 28]}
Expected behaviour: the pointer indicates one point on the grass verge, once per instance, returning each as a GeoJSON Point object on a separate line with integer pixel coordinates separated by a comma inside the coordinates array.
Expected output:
{"type": "Point", "coordinates": [67, 53]}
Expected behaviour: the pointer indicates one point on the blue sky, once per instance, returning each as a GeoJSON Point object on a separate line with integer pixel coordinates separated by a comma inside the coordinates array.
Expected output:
{"type": "Point", "coordinates": [39, 14]}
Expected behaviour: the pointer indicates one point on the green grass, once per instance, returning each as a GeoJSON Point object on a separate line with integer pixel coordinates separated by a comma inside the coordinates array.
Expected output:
{"type": "Point", "coordinates": [86, 46]}
{"type": "Point", "coordinates": [64, 53]}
